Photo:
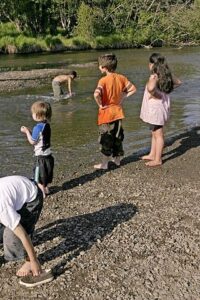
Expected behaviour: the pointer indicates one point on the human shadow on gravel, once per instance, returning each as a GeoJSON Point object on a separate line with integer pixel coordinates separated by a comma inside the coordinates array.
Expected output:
{"type": "Point", "coordinates": [80, 233]}
{"type": "Point", "coordinates": [81, 180]}
{"type": "Point", "coordinates": [188, 140]}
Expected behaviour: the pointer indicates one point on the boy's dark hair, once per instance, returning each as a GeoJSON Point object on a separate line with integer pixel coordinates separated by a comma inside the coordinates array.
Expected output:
{"type": "Point", "coordinates": [108, 61]}
{"type": "Point", "coordinates": [161, 68]}
{"type": "Point", "coordinates": [42, 110]}
{"type": "Point", "coordinates": [74, 73]}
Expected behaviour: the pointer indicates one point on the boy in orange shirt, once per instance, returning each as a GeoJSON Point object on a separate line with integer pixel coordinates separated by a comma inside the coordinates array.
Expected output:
{"type": "Point", "coordinates": [109, 95]}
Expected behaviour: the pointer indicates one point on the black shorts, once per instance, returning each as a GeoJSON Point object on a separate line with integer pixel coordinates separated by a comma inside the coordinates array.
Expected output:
{"type": "Point", "coordinates": [153, 127]}
{"type": "Point", "coordinates": [46, 166]}
{"type": "Point", "coordinates": [111, 138]}
{"type": "Point", "coordinates": [30, 213]}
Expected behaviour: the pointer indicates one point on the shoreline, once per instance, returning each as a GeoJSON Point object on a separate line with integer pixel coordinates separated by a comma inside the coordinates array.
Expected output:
{"type": "Point", "coordinates": [59, 48]}
{"type": "Point", "coordinates": [128, 233]}
{"type": "Point", "coordinates": [12, 80]}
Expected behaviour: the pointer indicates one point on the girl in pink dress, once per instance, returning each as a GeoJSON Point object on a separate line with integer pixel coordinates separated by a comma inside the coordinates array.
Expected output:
{"type": "Point", "coordinates": [155, 108]}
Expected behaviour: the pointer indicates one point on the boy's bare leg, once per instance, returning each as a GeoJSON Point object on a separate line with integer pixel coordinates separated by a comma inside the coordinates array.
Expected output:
{"type": "Point", "coordinates": [41, 186]}
{"type": "Point", "coordinates": [104, 164]}
{"type": "Point", "coordinates": [152, 154]}
{"type": "Point", "coordinates": [117, 160]}
{"type": "Point", "coordinates": [159, 145]}
{"type": "Point", "coordinates": [46, 189]}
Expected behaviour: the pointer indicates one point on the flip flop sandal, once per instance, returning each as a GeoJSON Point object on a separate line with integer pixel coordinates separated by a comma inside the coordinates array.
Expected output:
{"type": "Point", "coordinates": [31, 281]}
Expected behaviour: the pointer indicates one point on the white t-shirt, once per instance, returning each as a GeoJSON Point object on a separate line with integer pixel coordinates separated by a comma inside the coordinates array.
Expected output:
{"type": "Point", "coordinates": [14, 192]}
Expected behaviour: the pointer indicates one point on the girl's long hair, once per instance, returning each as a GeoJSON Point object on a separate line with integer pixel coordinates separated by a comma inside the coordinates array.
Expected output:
{"type": "Point", "coordinates": [160, 67]}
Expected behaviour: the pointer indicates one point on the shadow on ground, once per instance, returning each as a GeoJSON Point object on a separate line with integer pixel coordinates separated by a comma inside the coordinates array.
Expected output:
{"type": "Point", "coordinates": [80, 233]}
{"type": "Point", "coordinates": [188, 140]}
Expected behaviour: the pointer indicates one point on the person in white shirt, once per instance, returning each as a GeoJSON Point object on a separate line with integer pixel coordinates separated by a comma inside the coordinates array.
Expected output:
{"type": "Point", "coordinates": [21, 202]}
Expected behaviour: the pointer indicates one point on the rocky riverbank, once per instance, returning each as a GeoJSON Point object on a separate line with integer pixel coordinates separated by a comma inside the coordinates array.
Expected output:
{"type": "Point", "coordinates": [129, 233]}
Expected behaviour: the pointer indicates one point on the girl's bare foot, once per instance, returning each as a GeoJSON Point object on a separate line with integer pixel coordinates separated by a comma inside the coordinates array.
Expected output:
{"type": "Point", "coordinates": [25, 269]}
{"type": "Point", "coordinates": [147, 157]}
{"type": "Point", "coordinates": [153, 163]}
{"type": "Point", "coordinates": [101, 166]}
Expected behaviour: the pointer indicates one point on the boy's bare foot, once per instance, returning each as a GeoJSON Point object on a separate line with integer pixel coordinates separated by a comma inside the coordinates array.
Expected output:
{"type": "Point", "coordinates": [101, 166]}
{"type": "Point", "coordinates": [117, 160]}
{"type": "Point", "coordinates": [46, 190]}
{"type": "Point", "coordinates": [25, 269]}
{"type": "Point", "coordinates": [147, 157]}
{"type": "Point", "coordinates": [153, 163]}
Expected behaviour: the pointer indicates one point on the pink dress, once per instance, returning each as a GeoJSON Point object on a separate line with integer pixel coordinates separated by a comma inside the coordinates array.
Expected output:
{"type": "Point", "coordinates": [155, 111]}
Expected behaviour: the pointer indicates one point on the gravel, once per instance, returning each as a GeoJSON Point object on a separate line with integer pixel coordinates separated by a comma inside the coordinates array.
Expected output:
{"type": "Point", "coordinates": [128, 233]}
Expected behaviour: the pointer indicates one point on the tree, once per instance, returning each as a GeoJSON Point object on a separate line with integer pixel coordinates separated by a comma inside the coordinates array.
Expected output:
{"type": "Point", "coordinates": [85, 22]}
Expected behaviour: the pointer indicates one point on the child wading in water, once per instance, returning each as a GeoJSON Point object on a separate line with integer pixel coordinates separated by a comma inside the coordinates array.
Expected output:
{"type": "Point", "coordinates": [40, 137]}
{"type": "Point", "coordinates": [109, 95]}
{"type": "Point", "coordinates": [60, 81]}
{"type": "Point", "coordinates": [155, 108]}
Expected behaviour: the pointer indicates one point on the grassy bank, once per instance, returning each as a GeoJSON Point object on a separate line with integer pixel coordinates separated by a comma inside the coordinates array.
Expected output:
{"type": "Point", "coordinates": [13, 41]}
{"type": "Point", "coordinates": [24, 44]}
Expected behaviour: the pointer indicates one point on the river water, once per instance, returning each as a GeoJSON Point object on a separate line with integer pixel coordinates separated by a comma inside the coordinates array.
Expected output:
{"type": "Point", "coordinates": [74, 130]}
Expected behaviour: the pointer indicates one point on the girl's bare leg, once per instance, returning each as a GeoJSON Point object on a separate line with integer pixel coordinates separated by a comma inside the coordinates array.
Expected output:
{"type": "Point", "coordinates": [159, 145]}
{"type": "Point", "coordinates": [152, 154]}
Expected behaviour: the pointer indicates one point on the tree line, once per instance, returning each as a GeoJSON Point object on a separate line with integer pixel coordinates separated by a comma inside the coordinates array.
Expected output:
{"type": "Point", "coordinates": [127, 22]}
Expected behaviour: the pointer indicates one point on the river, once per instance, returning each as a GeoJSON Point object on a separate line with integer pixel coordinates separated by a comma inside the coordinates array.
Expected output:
{"type": "Point", "coordinates": [74, 130]}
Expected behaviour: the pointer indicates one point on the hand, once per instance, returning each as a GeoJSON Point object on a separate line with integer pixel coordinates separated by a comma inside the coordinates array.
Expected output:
{"type": "Point", "coordinates": [24, 129]}
{"type": "Point", "coordinates": [103, 107]}
{"type": "Point", "coordinates": [36, 267]}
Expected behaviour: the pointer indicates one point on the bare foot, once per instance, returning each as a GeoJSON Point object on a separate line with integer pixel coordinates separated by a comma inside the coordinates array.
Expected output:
{"type": "Point", "coordinates": [153, 163]}
{"type": "Point", "coordinates": [117, 160]}
{"type": "Point", "coordinates": [46, 190]}
{"type": "Point", "coordinates": [25, 269]}
{"type": "Point", "coordinates": [101, 166]}
{"type": "Point", "coordinates": [147, 157]}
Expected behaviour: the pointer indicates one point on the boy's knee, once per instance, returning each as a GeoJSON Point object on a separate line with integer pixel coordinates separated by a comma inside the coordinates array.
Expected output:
{"type": "Point", "coordinates": [13, 248]}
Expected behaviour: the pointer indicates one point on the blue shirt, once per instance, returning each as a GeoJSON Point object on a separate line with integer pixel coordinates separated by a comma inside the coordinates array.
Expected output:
{"type": "Point", "coordinates": [41, 134]}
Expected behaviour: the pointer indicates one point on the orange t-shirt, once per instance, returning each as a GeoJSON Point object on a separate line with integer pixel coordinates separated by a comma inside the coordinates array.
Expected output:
{"type": "Point", "coordinates": [111, 87]}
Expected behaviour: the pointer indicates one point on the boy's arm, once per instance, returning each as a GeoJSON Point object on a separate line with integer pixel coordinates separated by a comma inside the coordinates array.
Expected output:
{"type": "Point", "coordinates": [28, 134]}
{"type": "Point", "coordinates": [69, 80]}
{"type": "Point", "coordinates": [97, 96]}
{"type": "Point", "coordinates": [26, 241]}
{"type": "Point", "coordinates": [130, 90]}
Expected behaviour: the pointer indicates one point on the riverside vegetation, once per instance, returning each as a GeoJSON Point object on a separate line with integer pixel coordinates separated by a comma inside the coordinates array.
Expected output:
{"type": "Point", "coordinates": [28, 26]}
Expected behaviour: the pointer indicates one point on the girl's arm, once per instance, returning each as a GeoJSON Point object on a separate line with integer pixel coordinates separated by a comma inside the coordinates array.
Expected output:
{"type": "Point", "coordinates": [177, 82]}
{"type": "Point", "coordinates": [25, 130]}
{"type": "Point", "coordinates": [26, 241]}
{"type": "Point", "coordinates": [152, 86]}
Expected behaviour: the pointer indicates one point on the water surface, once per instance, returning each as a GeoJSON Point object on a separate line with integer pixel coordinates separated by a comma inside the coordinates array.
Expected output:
{"type": "Point", "coordinates": [74, 130]}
